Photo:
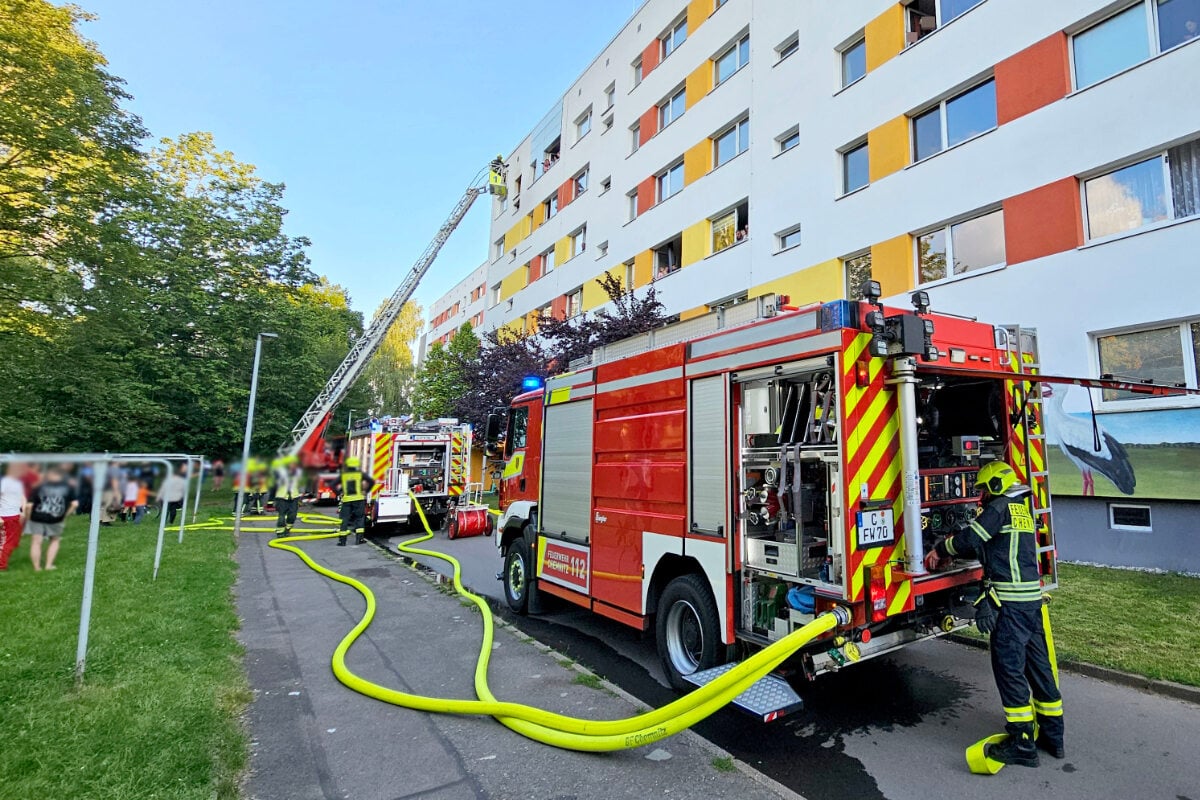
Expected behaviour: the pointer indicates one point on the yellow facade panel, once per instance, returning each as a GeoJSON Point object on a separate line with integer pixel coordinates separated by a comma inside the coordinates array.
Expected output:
{"type": "Point", "coordinates": [699, 83]}
{"type": "Point", "coordinates": [594, 295]}
{"type": "Point", "coordinates": [816, 284]}
{"type": "Point", "coordinates": [513, 237]}
{"type": "Point", "coordinates": [885, 36]}
{"type": "Point", "coordinates": [692, 313]}
{"type": "Point", "coordinates": [892, 265]}
{"type": "Point", "coordinates": [539, 215]}
{"type": "Point", "coordinates": [643, 268]}
{"type": "Point", "coordinates": [698, 12]}
{"type": "Point", "coordinates": [888, 148]}
{"type": "Point", "coordinates": [696, 241]}
{"type": "Point", "coordinates": [697, 162]}
{"type": "Point", "coordinates": [514, 282]}
{"type": "Point", "coordinates": [562, 251]}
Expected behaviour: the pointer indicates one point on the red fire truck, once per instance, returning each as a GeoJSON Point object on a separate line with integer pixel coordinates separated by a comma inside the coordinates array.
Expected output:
{"type": "Point", "coordinates": [725, 478]}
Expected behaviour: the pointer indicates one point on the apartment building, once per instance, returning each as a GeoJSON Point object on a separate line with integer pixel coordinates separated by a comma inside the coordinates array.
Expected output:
{"type": "Point", "coordinates": [1023, 161]}
{"type": "Point", "coordinates": [465, 303]}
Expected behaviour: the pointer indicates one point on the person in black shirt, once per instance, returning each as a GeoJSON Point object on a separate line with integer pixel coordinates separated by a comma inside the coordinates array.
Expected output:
{"type": "Point", "coordinates": [47, 509]}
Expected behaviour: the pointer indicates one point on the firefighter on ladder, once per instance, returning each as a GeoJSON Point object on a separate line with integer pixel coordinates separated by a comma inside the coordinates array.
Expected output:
{"type": "Point", "coordinates": [1004, 539]}
{"type": "Point", "coordinates": [354, 488]}
{"type": "Point", "coordinates": [288, 487]}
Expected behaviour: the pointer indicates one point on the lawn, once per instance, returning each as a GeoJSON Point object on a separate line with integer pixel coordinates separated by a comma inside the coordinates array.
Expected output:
{"type": "Point", "coordinates": [1133, 621]}
{"type": "Point", "coordinates": [158, 715]}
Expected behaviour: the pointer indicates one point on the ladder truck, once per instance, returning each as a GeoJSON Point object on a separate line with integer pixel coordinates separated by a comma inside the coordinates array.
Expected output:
{"type": "Point", "coordinates": [721, 480]}
{"type": "Point", "coordinates": [306, 441]}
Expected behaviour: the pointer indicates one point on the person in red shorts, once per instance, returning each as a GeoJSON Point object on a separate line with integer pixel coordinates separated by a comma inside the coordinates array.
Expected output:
{"type": "Point", "coordinates": [12, 511]}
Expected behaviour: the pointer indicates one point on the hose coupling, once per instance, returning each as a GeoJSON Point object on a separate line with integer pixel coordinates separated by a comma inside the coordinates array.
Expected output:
{"type": "Point", "coordinates": [843, 615]}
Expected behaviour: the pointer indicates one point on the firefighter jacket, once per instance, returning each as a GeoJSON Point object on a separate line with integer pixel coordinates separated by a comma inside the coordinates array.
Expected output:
{"type": "Point", "coordinates": [287, 484]}
{"type": "Point", "coordinates": [1004, 539]}
{"type": "Point", "coordinates": [355, 485]}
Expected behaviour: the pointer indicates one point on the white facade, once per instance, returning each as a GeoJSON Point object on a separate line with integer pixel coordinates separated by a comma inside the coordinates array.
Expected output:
{"type": "Point", "coordinates": [1054, 129]}
{"type": "Point", "coordinates": [465, 303]}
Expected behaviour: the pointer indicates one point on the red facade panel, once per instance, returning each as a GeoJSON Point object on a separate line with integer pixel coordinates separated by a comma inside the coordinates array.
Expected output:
{"type": "Point", "coordinates": [535, 268]}
{"type": "Point", "coordinates": [648, 125]}
{"type": "Point", "coordinates": [1043, 221]}
{"type": "Point", "coordinates": [558, 307]}
{"type": "Point", "coordinates": [651, 56]}
{"type": "Point", "coordinates": [1035, 77]}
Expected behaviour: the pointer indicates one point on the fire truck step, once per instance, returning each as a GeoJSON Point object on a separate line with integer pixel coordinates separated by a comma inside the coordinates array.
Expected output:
{"type": "Point", "coordinates": [769, 698]}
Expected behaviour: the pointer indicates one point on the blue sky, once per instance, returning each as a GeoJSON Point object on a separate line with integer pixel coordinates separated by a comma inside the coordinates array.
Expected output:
{"type": "Point", "coordinates": [375, 113]}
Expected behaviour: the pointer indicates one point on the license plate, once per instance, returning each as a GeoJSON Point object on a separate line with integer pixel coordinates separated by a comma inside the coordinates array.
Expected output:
{"type": "Point", "coordinates": [875, 528]}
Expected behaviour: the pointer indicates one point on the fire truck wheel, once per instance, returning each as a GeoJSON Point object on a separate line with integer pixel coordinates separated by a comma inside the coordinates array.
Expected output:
{"type": "Point", "coordinates": [517, 574]}
{"type": "Point", "coordinates": [688, 630]}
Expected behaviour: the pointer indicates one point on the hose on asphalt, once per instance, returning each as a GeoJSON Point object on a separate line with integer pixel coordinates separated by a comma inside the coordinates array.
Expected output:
{"type": "Point", "coordinates": [543, 726]}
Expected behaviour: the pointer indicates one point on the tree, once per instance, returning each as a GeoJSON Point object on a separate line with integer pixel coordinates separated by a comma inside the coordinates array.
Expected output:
{"type": "Point", "coordinates": [391, 374]}
{"type": "Point", "coordinates": [630, 315]}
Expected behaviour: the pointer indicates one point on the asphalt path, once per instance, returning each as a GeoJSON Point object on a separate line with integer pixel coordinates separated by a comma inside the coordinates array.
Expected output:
{"type": "Point", "coordinates": [894, 727]}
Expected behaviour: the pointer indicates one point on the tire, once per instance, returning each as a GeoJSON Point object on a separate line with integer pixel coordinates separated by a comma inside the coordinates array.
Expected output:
{"type": "Point", "coordinates": [518, 572]}
{"type": "Point", "coordinates": [688, 630]}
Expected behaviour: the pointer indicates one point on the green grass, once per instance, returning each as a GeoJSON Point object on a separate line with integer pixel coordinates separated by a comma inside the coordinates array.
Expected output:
{"type": "Point", "coordinates": [1164, 472]}
{"type": "Point", "coordinates": [588, 680]}
{"type": "Point", "coordinates": [1137, 622]}
{"type": "Point", "coordinates": [724, 764]}
{"type": "Point", "coordinates": [158, 713]}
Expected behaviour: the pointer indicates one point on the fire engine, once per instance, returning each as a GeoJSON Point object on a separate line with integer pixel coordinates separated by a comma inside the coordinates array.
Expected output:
{"type": "Point", "coordinates": [430, 459]}
{"type": "Point", "coordinates": [723, 479]}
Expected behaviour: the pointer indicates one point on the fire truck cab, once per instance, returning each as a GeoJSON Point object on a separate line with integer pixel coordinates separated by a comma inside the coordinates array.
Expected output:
{"type": "Point", "coordinates": [726, 478]}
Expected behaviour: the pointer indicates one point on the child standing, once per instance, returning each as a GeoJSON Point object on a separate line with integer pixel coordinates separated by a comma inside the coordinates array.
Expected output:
{"type": "Point", "coordinates": [129, 507]}
{"type": "Point", "coordinates": [47, 510]}
{"type": "Point", "coordinates": [12, 511]}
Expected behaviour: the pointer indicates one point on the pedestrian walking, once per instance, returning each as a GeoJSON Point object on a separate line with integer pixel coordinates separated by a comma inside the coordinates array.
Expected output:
{"type": "Point", "coordinates": [47, 510]}
{"type": "Point", "coordinates": [172, 493]}
{"type": "Point", "coordinates": [218, 472]}
{"type": "Point", "coordinates": [1011, 608]}
{"type": "Point", "coordinates": [354, 486]}
{"type": "Point", "coordinates": [12, 511]}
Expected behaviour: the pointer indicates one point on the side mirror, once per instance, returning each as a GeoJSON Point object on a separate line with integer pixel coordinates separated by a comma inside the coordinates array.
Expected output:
{"type": "Point", "coordinates": [492, 434]}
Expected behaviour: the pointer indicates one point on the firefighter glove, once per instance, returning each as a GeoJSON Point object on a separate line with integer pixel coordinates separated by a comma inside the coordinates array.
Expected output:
{"type": "Point", "coordinates": [985, 611]}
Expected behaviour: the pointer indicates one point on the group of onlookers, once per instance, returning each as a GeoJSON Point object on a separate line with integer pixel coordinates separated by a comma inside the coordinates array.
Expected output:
{"type": "Point", "coordinates": [37, 503]}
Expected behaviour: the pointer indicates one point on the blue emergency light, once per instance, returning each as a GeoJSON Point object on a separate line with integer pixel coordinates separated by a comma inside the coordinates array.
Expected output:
{"type": "Point", "coordinates": [531, 382]}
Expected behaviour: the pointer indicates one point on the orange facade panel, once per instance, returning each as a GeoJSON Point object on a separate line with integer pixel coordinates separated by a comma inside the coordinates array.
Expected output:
{"type": "Point", "coordinates": [650, 57]}
{"type": "Point", "coordinates": [1043, 221]}
{"type": "Point", "coordinates": [645, 195]}
{"type": "Point", "coordinates": [535, 268]}
{"type": "Point", "coordinates": [648, 125]}
{"type": "Point", "coordinates": [558, 307]}
{"type": "Point", "coordinates": [566, 193]}
{"type": "Point", "coordinates": [1035, 77]}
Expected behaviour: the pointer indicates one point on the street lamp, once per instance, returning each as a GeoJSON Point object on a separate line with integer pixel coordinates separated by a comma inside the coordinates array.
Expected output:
{"type": "Point", "coordinates": [350, 419]}
{"type": "Point", "coordinates": [241, 495]}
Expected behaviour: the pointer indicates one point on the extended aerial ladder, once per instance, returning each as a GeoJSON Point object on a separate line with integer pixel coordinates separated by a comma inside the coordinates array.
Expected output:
{"type": "Point", "coordinates": [314, 420]}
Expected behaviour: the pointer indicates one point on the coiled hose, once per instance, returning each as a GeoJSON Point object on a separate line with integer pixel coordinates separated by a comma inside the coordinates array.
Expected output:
{"type": "Point", "coordinates": [538, 724]}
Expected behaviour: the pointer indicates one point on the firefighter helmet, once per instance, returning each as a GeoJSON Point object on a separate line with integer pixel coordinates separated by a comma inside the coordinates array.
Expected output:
{"type": "Point", "coordinates": [997, 477]}
{"type": "Point", "coordinates": [353, 463]}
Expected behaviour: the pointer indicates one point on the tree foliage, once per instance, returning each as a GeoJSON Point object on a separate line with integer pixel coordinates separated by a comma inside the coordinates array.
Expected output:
{"type": "Point", "coordinates": [390, 376]}
{"type": "Point", "coordinates": [446, 375]}
{"type": "Point", "coordinates": [135, 282]}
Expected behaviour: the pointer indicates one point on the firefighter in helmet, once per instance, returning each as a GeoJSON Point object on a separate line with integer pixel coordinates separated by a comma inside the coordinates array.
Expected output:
{"type": "Point", "coordinates": [354, 488]}
{"type": "Point", "coordinates": [1004, 539]}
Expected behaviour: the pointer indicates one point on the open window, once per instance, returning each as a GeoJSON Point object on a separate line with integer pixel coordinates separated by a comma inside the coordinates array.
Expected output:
{"type": "Point", "coordinates": [667, 257]}
{"type": "Point", "coordinates": [731, 227]}
{"type": "Point", "coordinates": [551, 154]}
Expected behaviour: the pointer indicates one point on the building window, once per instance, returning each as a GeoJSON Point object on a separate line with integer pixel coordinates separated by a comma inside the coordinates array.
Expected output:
{"type": "Point", "coordinates": [733, 141]}
{"type": "Point", "coordinates": [670, 182]}
{"type": "Point", "coordinates": [635, 138]}
{"type": "Point", "coordinates": [581, 182]}
{"type": "Point", "coordinates": [578, 241]}
{"type": "Point", "coordinates": [731, 228]}
{"type": "Point", "coordinates": [608, 123]}
{"type": "Point", "coordinates": [583, 125]}
{"type": "Point", "coordinates": [788, 139]}
{"type": "Point", "coordinates": [605, 185]}
{"type": "Point", "coordinates": [610, 96]}
{"type": "Point", "coordinates": [1125, 517]}
{"type": "Point", "coordinates": [551, 205]}
{"type": "Point", "coordinates": [858, 272]}
{"type": "Point", "coordinates": [855, 168]}
{"type": "Point", "coordinates": [788, 46]}
{"type": "Point", "coordinates": [926, 16]}
{"type": "Point", "coordinates": [955, 120]}
{"type": "Point", "coordinates": [495, 298]}
{"type": "Point", "coordinates": [497, 248]}
{"type": "Point", "coordinates": [637, 72]}
{"type": "Point", "coordinates": [629, 276]}
{"type": "Point", "coordinates": [1166, 354]}
{"type": "Point", "coordinates": [1163, 187]}
{"type": "Point", "coordinates": [667, 257]}
{"type": "Point", "coordinates": [719, 4]}
{"type": "Point", "coordinates": [962, 247]}
{"type": "Point", "coordinates": [787, 239]}
{"type": "Point", "coordinates": [733, 59]}
{"type": "Point", "coordinates": [632, 199]}
{"type": "Point", "coordinates": [602, 250]}
{"type": "Point", "coordinates": [548, 261]}
{"type": "Point", "coordinates": [1125, 38]}
{"type": "Point", "coordinates": [674, 37]}
{"type": "Point", "coordinates": [854, 62]}
{"type": "Point", "coordinates": [574, 302]}
{"type": "Point", "coordinates": [672, 109]}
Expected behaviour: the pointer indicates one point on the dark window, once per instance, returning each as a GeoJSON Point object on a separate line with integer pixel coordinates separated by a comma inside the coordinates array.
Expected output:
{"type": "Point", "coordinates": [518, 421]}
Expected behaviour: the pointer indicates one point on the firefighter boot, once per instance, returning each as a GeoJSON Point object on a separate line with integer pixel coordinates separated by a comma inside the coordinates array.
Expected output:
{"type": "Point", "coordinates": [342, 540]}
{"type": "Point", "coordinates": [1018, 749]}
{"type": "Point", "coordinates": [1045, 744]}
{"type": "Point", "coordinates": [359, 538]}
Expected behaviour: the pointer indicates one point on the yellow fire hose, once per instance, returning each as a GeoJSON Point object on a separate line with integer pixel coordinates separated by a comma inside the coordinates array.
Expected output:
{"type": "Point", "coordinates": [534, 723]}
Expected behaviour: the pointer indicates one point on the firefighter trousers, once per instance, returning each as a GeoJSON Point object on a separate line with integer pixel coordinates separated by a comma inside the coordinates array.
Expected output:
{"type": "Point", "coordinates": [353, 515]}
{"type": "Point", "coordinates": [1027, 681]}
{"type": "Point", "coordinates": [286, 510]}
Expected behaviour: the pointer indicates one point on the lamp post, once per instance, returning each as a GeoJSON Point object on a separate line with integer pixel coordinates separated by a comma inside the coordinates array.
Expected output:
{"type": "Point", "coordinates": [241, 495]}
{"type": "Point", "coordinates": [350, 419]}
